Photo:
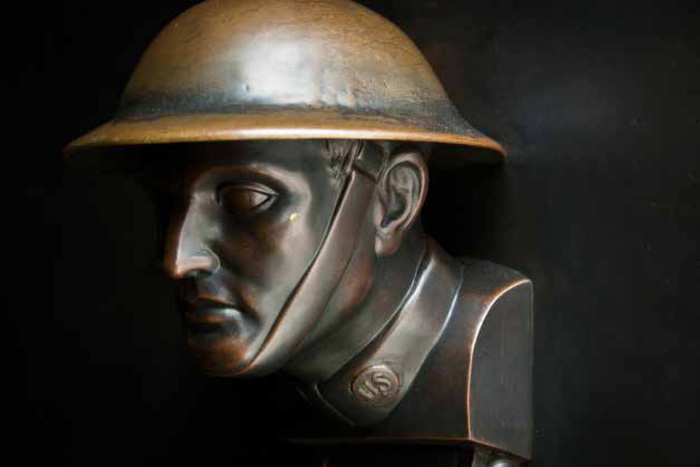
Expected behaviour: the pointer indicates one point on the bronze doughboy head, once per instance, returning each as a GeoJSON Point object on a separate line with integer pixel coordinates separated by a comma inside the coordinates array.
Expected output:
{"type": "Point", "coordinates": [277, 244]}
{"type": "Point", "coordinates": [276, 83]}
{"type": "Point", "coordinates": [299, 133]}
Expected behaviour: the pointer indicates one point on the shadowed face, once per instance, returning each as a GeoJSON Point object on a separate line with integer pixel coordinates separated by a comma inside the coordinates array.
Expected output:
{"type": "Point", "coordinates": [247, 222]}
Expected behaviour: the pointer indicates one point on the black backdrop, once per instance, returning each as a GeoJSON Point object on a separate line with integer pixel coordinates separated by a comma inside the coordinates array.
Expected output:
{"type": "Point", "coordinates": [599, 204]}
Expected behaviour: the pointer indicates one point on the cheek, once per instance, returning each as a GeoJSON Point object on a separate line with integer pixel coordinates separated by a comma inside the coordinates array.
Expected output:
{"type": "Point", "coordinates": [299, 236]}
{"type": "Point", "coordinates": [267, 255]}
{"type": "Point", "coordinates": [241, 251]}
{"type": "Point", "coordinates": [274, 253]}
{"type": "Point", "coordinates": [288, 246]}
{"type": "Point", "coordinates": [358, 277]}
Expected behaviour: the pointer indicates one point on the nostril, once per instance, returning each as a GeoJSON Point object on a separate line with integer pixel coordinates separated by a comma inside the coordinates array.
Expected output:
{"type": "Point", "coordinates": [190, 274]}
{"type": "Point", "coordinates": [191, 265]}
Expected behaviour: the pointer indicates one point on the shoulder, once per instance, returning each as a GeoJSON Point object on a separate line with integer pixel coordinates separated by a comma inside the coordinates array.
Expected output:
{"type": "Point", "coordinates": [492, 280]}
{"type": "Point", "coordinates": [495, 309]}
{"type": "Point", "coordinates": [489, 289]}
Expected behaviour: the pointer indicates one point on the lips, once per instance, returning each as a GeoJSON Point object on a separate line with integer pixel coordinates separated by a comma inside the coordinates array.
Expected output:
{"type": "Point", "coordinates": [210, 312]}
{"type": "Point", "coordinates": [212, 315]}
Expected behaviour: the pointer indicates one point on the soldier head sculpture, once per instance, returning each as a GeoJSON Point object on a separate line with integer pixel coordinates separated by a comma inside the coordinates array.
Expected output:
{"type": "Point", "coordinates": [292, 140]}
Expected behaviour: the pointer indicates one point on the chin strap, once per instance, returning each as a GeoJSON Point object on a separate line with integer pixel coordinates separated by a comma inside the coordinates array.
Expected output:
{"type": "Point", "coordinates": [308, 301]}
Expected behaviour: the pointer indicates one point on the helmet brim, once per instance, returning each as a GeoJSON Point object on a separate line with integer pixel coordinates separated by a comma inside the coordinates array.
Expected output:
{"type": "Point", "coordinates": [297, 124]}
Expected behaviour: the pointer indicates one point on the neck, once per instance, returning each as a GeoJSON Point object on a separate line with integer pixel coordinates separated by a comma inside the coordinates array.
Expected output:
{"type": "Point", "coordinates": [357, 314]}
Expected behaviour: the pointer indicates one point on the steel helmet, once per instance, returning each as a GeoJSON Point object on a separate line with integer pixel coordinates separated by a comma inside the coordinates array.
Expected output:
{"type": "Point", "coordinates": [282, 69]}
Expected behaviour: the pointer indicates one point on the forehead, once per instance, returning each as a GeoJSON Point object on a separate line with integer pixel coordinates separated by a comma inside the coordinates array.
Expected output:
{"type": "Point", "coordinates": [177, 166]}
{"type": "Point", "coordinates": [296, 155]}
{"type": "Point", "coordinates": [305, 156]}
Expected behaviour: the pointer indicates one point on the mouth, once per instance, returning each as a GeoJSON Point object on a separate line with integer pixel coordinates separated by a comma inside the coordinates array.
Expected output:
{"type": "Point", "coordinates": [208, 315]}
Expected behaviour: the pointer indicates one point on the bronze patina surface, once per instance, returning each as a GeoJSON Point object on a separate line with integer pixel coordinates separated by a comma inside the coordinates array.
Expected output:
{"type": "Point", "coordinates": [283, 69]}
{"type": "Point", "coordinates": [291, 222]}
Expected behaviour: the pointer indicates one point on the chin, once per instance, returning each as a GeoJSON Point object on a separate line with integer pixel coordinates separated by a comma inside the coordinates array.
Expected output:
{"type": "Point", "coordinates": [220, 355]}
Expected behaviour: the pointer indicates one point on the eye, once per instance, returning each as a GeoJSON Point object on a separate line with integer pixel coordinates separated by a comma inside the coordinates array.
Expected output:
{"type": "Point", "coordinates": [245, 199]}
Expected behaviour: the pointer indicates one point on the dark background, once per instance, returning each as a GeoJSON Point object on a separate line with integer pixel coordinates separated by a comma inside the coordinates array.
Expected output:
{"type": "Point", "coordinates": [599, 203]}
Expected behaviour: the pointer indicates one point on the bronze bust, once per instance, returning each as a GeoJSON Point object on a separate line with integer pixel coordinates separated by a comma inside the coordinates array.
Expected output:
{"type": "Point", "coordinates": [288, 143]}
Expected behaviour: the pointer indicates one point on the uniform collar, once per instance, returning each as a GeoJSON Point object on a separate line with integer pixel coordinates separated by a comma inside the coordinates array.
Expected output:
{"type": "Point", "coordinates": [367, 389]}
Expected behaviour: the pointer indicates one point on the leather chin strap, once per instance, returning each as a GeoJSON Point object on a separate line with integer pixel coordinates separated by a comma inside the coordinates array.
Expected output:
{"type": "Point", "coordinates": [310, 297]}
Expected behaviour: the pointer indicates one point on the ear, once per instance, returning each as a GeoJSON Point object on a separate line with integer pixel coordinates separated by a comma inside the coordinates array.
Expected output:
{"type": "Point", "coordinates": [402, 189]}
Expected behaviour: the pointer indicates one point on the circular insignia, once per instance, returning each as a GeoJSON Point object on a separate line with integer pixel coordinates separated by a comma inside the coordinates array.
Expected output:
{"type": "Point", "coordinates": [376, 385]}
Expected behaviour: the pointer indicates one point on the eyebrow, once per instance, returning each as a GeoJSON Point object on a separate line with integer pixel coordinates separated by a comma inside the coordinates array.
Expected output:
{"type": "Point", "coordinates": [253, 171]}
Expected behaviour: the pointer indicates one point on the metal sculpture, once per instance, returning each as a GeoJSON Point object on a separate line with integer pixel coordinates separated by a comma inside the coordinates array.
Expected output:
{"type": "Point", "coordinates": [287, 143]}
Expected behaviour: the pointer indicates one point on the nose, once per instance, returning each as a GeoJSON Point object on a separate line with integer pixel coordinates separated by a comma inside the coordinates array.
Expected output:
{"type": "Point", "coordinates": [186, 251]}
